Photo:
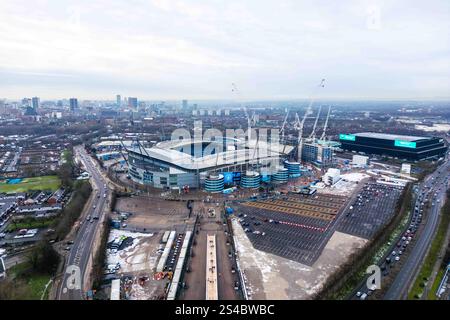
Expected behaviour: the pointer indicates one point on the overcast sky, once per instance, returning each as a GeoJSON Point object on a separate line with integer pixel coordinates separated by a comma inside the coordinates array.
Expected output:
{"type": "Point", "coordinates": [173, 49]}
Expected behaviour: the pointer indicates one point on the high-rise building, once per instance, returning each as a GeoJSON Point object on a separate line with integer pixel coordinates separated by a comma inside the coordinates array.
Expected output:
{"type": "Point", "coordinates": [73, 104]}
{"type": "Point", "coordinates": [118, 100]}
{"type": "Point", "coordinates": [2, 107]}
{"type": "Point", "coordinates": [184, 104]}
{"type": "Point", "coordinates": [35, 103]}
{"type": "Point", "coordinates": [132, 102]}
{"type": "Point", "coordinates": [25, 102]}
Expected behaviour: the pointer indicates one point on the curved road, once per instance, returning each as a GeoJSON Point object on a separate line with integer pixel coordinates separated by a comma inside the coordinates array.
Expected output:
{"type": "Point", "coordinates": [70, 287]}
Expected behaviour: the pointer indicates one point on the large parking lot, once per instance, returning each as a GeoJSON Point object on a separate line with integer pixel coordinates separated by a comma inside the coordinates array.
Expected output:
{"type": "Point", "coordinates": [294, 227]}
{"type": "Point", "coordinates": [297, 227]}
{"type": "Point", "coordinates": [373, 207]}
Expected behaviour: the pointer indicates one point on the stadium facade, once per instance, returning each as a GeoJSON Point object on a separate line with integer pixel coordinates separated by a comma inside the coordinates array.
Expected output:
{"type": "Point", "coordinates": [198, 163]}
{"type": "Point", "coordinates": [397, 146]}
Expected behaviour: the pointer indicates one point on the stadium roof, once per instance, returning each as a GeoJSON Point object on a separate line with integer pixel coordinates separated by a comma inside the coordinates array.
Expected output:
{"type": "Point", "coordinates": [165, 153]}
{"type": "Point", "coordinates": [388, 136]}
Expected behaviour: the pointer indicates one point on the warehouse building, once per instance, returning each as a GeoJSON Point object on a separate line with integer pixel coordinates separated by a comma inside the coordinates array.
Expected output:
{"type": "Point", "coordinates": [392, 145]}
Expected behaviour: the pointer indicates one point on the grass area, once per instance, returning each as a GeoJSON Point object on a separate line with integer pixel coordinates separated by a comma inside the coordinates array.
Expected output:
{"type": "Point", "coordinates": [28, 223]}
{"type": "Point", "coordinates": [350, 285]}
{"type": "Point", "coordinates": [435, 286]}
{"type": "Point", "coordinates": [28, 184]}
{"type": "Point", "coordinates": [432, 256]}
{"type": "Point", "coordinates": [67, 156]}
{"type": "Point", "coordinates": [32, 285]}
{"type": "Point", "coordinates": [425, 169]}
{"type": "Point", "coordinates": [36, 285]}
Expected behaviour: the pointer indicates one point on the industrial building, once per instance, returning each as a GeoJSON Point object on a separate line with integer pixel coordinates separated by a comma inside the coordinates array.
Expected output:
{"type": "Point", "coordinates": [392, 145]}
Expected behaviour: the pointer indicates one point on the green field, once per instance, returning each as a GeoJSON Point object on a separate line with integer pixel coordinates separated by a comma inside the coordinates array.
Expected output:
{"type": "Point", "coordinates": [30, 285]}
{"type": "Point", "coordinates": [29, 184]}
{"type": "Point", "coordinates": [30, 223]}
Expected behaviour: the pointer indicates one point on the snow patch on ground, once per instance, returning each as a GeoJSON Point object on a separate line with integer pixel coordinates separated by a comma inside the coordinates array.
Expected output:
{"type": "Point", "coordinates": [134, 257]}
{"type": "Point", "coordinates": [354, 176]}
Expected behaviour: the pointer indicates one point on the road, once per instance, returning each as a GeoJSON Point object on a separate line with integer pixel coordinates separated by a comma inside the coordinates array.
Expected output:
{"type": "Point", "coordinates": [432, 185]}
{"type": "Point", "coordinates": [11, 261]}
{"type": "Point", "coordinates": [437, 184]}
{"type": "Point", "coordinates": [70, 287]}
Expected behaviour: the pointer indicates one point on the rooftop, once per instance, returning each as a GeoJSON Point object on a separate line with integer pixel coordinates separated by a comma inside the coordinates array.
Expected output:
{"type": "Point", "coordinates": [165, 152]}
{"type": "Point", "coordinates": [388, 136]}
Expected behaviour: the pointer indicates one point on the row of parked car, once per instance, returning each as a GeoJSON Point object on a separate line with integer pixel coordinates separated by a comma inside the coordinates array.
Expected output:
{"type": "Point", "coordinates": [401, 245]}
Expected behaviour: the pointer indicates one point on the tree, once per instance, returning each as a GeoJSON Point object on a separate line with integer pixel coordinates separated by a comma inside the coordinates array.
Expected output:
{"type": "Point", "coordinates": [43, 258]}
{"type": "Point", "coordinates": [12, 289]}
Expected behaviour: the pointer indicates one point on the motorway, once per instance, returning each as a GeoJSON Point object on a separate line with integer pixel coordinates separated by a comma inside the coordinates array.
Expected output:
{"type": "Point", "coordinates": [433, 188]}
{"type": "Point", "coordinates": [437, 184]}
{"type": "Point", "coordinates": [70, 287]}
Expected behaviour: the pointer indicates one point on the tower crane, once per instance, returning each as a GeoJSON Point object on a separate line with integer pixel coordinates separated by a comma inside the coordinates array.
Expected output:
{"type": "Point", "coordinates": [326, 124]}
{"type": "Point", "coordinates": [250, 120]}
{"type": "Point", "coordinates": [249, 124]}
{"type": "Point", "coordinates": [302, 123]}
{"type": "Point", "coordinates": [313, 132]}
{"type": "Point", "coordinates": [283, 126]}
{"type": "Point", "coordinates": [299, 125]}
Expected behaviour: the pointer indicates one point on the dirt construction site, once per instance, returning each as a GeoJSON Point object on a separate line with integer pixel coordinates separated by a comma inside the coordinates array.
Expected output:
{"type": "Point", "coordinates": [153, 214]}
{"type": "Point", "coordinates": [136, 260]}
{"type": "Point", "coordinates": [134, 250]}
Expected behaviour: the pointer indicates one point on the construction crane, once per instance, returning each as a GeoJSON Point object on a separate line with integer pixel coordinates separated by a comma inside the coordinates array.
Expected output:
{"type": "Point", "coordinates": [249, 124]}
{"type": "Point", "coordinates": [283, 126]}
{"type": "Point", "coordinates": [299, 125]}
{"type": "Point", "coordinates": [312, 135]}
{"type": "Point", "coordinates": [322, 137]}
{"type": "Point", "coordinates": [254, 151]}
{"type": "Point", "coordinates": [250, 120]}
{"type": "Point", "coordinates": [302, 123]}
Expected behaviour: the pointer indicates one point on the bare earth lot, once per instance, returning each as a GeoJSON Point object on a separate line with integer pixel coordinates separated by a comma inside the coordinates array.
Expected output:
{"type": "Point", "coordinates": [154, 214]}
{"type": "Point", "coordinates": [150, 218]}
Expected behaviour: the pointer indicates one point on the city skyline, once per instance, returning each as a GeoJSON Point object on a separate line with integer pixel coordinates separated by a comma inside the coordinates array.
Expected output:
{"type": "Point", "coordinates": [189, 50]}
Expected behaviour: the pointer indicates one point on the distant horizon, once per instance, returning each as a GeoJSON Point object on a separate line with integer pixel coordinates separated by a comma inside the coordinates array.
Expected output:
{"type": "Point", "coordinates": [184, 49]}
{"type": "Point", "coordinates": [215, 100]}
